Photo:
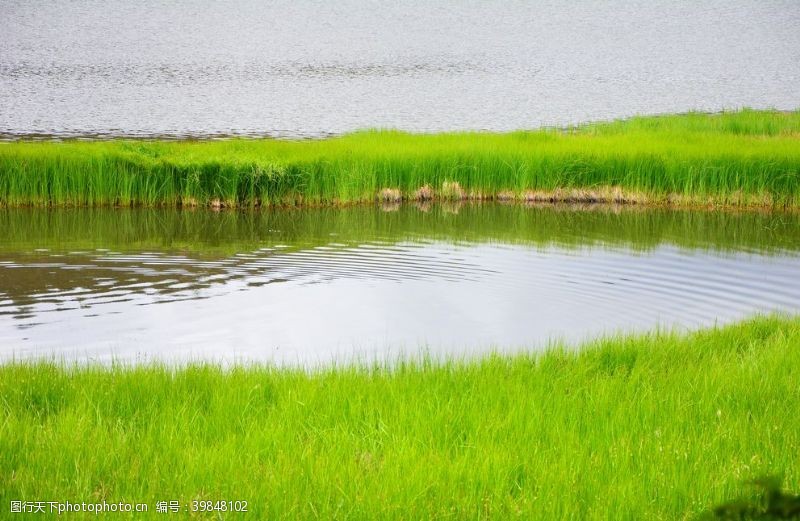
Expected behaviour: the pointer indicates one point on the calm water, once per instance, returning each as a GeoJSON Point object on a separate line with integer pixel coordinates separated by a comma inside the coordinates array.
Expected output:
{"type": "Point", "coordinates": [320, 285]}
{"type": "Point", "coordinates": [306, 68]}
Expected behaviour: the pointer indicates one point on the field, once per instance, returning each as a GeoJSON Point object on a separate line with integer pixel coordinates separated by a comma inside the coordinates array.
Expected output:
{"type": "Point", "coordinates": [745, 158]}
{"type": "Point", "coordinates": [659, 426]}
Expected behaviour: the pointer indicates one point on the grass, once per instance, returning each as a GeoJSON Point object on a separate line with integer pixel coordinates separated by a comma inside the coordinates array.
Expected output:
{"type": "Point", "coordinates": [745, 158]}
{"type": "Point", "coordinates": [661, 426]}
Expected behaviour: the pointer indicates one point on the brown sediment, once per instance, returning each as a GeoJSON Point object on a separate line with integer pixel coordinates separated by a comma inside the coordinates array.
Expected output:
{"type": "Point", "coordinates": [505, 196]}
{"type": "Point", "coordinates": [390, 195]}
{"type": "Point", "coordinates": [424, 193]}
{"type": "Point", "coordinates": [453, 191]}
{"type": "Point", "coordinates": [582, 195]}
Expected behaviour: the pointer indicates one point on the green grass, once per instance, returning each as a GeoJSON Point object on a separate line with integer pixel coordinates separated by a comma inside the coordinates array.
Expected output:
{"type": "Point", "coordinates": [661, 426]}
{"type": "Point", "coordinates": [741, 158]}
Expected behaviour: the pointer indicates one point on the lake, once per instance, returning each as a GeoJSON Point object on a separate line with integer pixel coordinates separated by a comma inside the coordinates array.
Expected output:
{"type": "Point", "coordinates": [320, 285]}
{"type": "Point", "coordinates": [377, 282]}
{"type": "Point", "coordinates": [305, 68]}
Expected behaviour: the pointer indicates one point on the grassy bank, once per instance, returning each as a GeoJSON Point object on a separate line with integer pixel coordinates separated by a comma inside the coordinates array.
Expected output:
{"type": "Point", "coordinates": [748, 158]}
{"type": "Point", "coordinates": [650, 427]}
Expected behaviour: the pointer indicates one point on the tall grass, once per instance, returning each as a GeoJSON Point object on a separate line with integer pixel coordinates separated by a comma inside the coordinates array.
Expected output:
{"type": "Point", "coordinates": [660, 426]}
{"type": "Point", "coordinates": [741, 158]}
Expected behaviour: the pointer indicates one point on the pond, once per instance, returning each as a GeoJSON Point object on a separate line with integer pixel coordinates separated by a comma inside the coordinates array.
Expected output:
{"type": "Point", "coordinates": [376, 283]}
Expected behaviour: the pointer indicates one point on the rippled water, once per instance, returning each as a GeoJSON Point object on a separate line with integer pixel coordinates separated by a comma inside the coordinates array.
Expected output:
{"type": "Point", "coordinates": [320, 285]}
{"type": "Point", "coordinates": [307, 68]}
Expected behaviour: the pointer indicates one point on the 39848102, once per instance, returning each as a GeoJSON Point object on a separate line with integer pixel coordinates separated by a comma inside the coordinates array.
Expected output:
{"type": "Point", "coordinates": [219, 506]}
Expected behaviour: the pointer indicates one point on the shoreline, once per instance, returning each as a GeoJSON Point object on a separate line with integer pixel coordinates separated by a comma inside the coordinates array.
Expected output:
{"type": "Point", "coordinates": [110, 136]}
{"type": "Point", "coordinates": [559, 198]}
{"type": "Point", "coordinates": [690, 417]}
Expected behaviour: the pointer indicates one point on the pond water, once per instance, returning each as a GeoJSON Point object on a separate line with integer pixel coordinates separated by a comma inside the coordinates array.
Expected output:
{"type": "Point", "coordinates": [369, 283]}
{"type": "Point", "coordinates": [308, 68]}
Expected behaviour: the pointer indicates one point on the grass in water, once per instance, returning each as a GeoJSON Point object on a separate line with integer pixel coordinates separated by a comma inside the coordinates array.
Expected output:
{"type": "Point", "coordinates": [746, 158]}
{"type": "Point", "coordinates": [659, 426]}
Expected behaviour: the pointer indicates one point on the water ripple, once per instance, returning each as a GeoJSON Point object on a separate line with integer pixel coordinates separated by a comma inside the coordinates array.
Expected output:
{"type": "Point", "coordinates": [298, 303]}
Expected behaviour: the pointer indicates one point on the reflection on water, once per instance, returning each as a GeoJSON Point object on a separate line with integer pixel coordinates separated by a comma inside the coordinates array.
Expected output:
{"type": "Point", "coordinates": [320, 285]}
{"type": "Point", "coordinates": [307, 68]}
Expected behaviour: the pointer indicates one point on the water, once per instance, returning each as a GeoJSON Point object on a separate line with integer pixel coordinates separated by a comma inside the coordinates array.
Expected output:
{"type": "Point", "coordinates": [308, 68]}
{"type": "Point", "coordinates": [366, 283]}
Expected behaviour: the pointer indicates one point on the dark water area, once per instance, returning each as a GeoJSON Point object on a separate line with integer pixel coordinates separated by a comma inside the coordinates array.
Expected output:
{"type": "Point", "coordinates": [369, 283]}
{"type": "Point", "coordinates": [307, 68]}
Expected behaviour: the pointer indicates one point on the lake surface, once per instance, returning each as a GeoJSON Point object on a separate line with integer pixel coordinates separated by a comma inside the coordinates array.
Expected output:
{"type": "Point", "coordinates": [367, 283]}
{"type": "Point", "coordinates": [310, 68]}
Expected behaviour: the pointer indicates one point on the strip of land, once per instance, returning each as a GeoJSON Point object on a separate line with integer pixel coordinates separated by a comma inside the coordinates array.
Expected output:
{"type": "Point", "coordinates": [659, 426]}
{"type": "Point", "coordinates": [741, 159]}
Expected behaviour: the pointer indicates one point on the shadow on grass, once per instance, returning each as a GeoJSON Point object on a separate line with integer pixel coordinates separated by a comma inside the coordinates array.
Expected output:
{"type": "Point", "coordinates": [771, 503]}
